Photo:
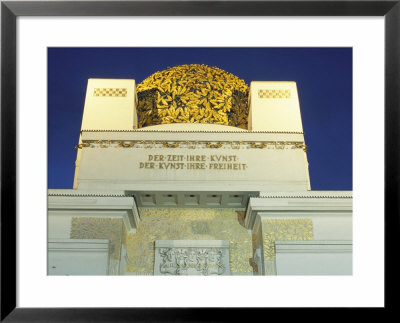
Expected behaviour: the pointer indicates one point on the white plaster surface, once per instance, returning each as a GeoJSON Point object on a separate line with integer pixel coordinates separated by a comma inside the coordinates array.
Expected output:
{"type": "Point", "coordinates": [59, 227]}
{"type": "Point", "coordinates": [63, 205]}
{"type": "Point", "coordinates": [313, 257]}
{"type": "Point", "coordinates": [77, 257]}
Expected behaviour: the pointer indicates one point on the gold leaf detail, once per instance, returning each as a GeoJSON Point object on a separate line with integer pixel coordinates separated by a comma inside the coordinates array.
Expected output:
{"type": "Point", "coordinates": [193, 94]}
{"type": "Point", "coordinates": [188, 224]}
{"type": "Point", "coordinates": [287, 229]}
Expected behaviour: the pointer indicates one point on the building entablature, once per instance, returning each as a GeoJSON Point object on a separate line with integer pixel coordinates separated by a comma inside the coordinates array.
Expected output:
{"type": "Point", "coordinates": [193, 138]}
{"type": "Point", "coordinates": [100, 204]}
{"type": "Point", "coordinates": [297, 204]}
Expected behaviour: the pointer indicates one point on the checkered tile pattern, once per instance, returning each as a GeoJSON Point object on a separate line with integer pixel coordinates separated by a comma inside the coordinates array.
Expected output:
{"type": "Point", "coordinates": [110, 92]}
{"type": "Point", "coordinates": [274, 94]}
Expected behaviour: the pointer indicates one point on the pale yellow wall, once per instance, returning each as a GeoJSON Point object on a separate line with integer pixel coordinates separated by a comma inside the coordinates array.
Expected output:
{"type": "Point", "coordinates": [278, 165]}
{"type": "Point", "coordinates": [110, 104]}
{"type": "Point", "coordinates": [274, 106]}
{"type": "Point", "coordinates": [275, 167]}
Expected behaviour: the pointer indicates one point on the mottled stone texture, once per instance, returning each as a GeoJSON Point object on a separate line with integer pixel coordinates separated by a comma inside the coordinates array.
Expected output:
{"type": "Point", "coordinates": [188, 224]}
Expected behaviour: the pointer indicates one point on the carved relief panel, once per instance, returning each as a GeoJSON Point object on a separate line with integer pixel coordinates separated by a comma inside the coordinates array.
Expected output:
{"type": "Point", "coordinates": [192, 257]}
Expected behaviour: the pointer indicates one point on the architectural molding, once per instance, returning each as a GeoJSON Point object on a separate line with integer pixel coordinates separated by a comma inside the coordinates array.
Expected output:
{"type": "Point", "coordinates": [78, 256]}
{"type": "Point", "coordinates": [165, 134]}
{"type": "Point", "coordinates": [243, 131]}
{"type": "Point", "coordinates": [314, 246]}
{"type": "Point", "coordinates": [191, 144]}
{"type": "Point", "coordinates": [317, 257]}
{"type": "Point", "coordinates": [306, 194]}
{"type": "Point", "coordinates": [86, 195]}
{"type": "Point", "coordinates": [110, 206]}
{"type": "Point", "coordinates": [297, 204]}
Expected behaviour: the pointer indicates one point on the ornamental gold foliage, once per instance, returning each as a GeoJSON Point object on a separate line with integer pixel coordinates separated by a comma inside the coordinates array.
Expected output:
{"type": "Point", "coordinates": [188, 224]}
{"type": "Point", "coordinates": [192, 94]}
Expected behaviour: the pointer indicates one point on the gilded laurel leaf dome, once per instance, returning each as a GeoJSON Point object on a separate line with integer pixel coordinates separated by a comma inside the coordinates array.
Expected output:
{"type": "Point", "coordinates": [192, 94]}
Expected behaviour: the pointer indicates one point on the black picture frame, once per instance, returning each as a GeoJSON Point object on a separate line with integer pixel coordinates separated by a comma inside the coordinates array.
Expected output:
{"type": "Point", "coordinates": [10, 10]}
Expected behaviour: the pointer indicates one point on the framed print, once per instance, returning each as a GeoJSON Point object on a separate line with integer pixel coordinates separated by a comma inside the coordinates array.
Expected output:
{"type": "Point", "coordinates": [123, 154]}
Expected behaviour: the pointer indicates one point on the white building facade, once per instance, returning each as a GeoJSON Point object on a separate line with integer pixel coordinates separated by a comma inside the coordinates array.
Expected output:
{"type": "Point", "coordinates": [192, 172]}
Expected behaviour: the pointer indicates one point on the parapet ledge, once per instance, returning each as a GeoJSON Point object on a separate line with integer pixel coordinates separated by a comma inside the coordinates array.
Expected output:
{"type": "Point", "coordinates": [191, 136]}
{"type": "Point", "coordinates": [307, 194]}
{"type": "Point", "coordinates": [292, 203]}
{"type": "Point", "coordinates": [94, 203]}
{"type": "Point", "coordinates": [89, 193]}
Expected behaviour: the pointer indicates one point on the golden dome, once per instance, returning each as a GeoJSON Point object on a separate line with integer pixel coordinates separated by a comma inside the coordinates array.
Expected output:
{"type": "Point", "coordinates": [192, 94]}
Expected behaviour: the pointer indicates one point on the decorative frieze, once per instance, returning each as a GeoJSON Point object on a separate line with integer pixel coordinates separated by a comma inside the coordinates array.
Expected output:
{"type": "Point", "coordinates": [113, 92]}
{"type": "Point", "coordinates": [274, 94]}
{"type": "Point", "coordinates": [192, 144]}
{"type": "Point", "coordinates": [191, 257]}
{"type": "Point", "coordinates": [145, 130]}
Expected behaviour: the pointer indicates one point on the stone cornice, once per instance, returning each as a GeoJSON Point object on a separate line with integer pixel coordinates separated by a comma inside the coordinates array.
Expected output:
{"type": "Point", "coordinates": [98, 205]}
{"type": "Point", "coordinates": [347, 194]}
{"type": "Point", "coordinates": [304, 196]}
{"type": "Point", "coordinates": [193, 131]}
{"type": "Point", "coordinates": [296, 203]}
{"type": "Point", "coordinates": [87, 195]}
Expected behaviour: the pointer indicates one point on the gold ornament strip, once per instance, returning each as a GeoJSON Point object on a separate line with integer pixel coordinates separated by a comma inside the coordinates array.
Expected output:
{"type": "Point", "coordinates": [274, 94]}
{"type": "Point", "coordinates": [192, 144]}
{"type": "Point", "coordinates": [116, 92]}
{"type": "Point", "coordinates": [192, 131]}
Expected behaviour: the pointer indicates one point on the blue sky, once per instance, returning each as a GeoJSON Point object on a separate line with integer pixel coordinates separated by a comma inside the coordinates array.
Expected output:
{"type": "Point", "coordinates": [323, 76]}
